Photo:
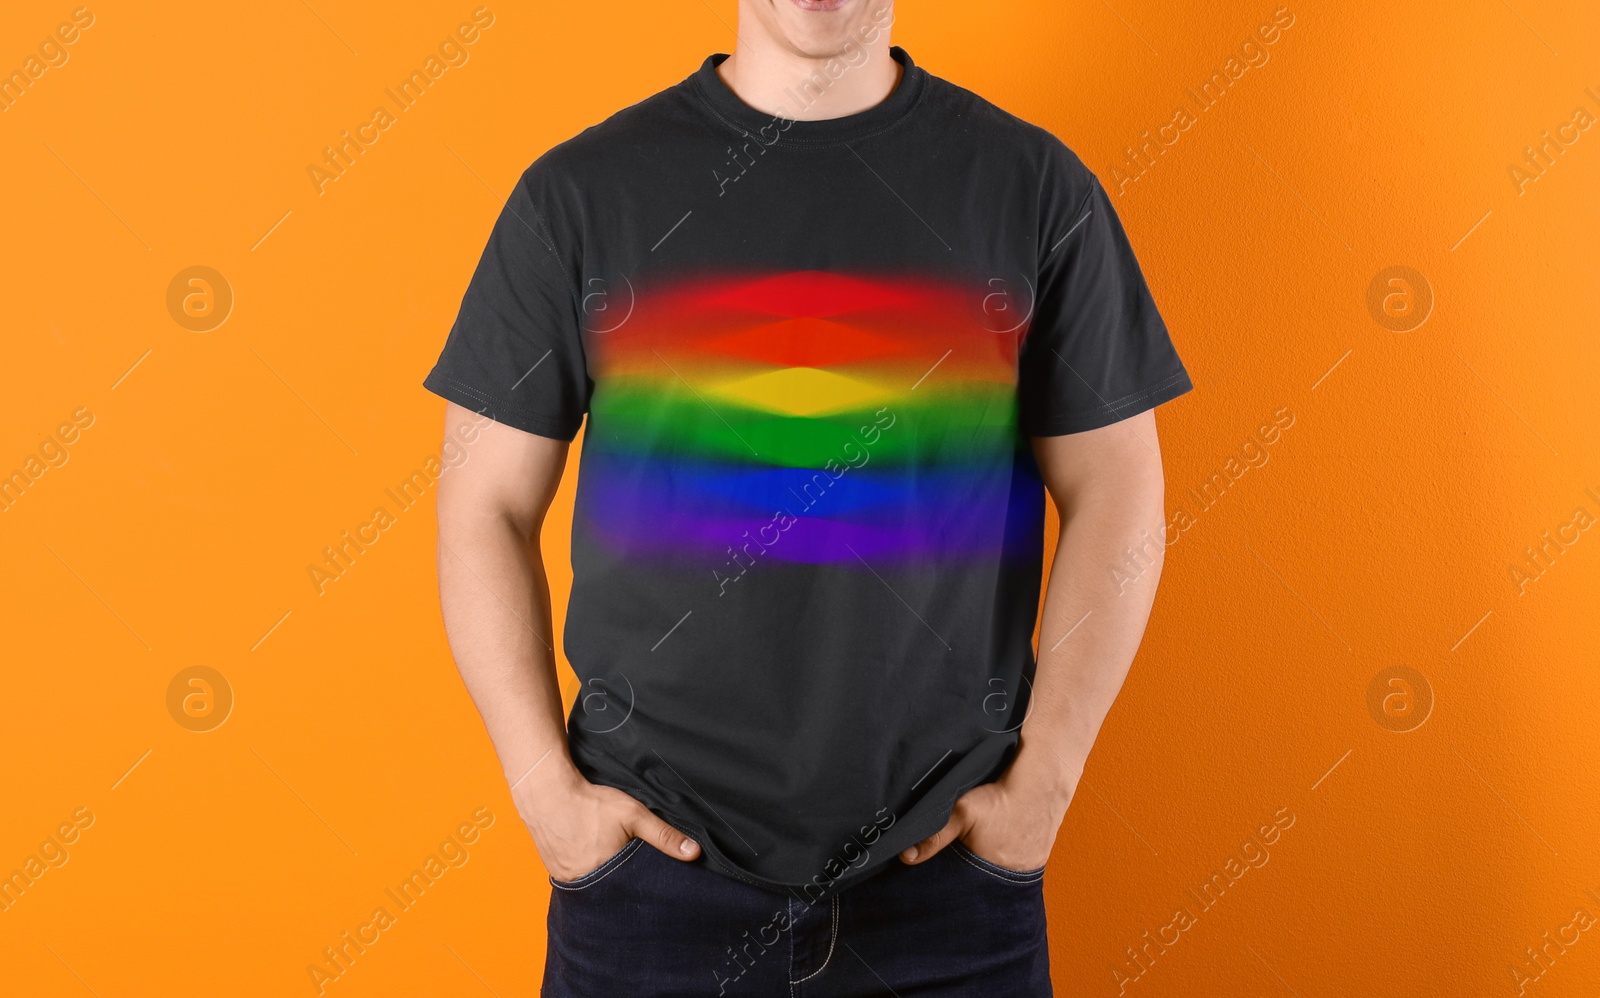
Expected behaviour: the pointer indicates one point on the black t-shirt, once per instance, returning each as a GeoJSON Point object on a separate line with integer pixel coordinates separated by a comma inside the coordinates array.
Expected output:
{"type": "Point", "coordinates": [809, 531]}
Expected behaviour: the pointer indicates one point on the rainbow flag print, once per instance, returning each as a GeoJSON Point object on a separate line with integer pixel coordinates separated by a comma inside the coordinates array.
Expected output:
{"type": "Point", "coordinates": [809, 417]}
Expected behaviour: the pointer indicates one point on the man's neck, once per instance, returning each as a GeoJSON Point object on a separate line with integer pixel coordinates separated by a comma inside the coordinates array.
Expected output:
{"type": "Point", "coordinates": [780, 82]}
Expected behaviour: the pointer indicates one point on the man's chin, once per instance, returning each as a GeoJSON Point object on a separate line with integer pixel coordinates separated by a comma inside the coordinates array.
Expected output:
{"type": "Point", "coordinates": [819, 5]}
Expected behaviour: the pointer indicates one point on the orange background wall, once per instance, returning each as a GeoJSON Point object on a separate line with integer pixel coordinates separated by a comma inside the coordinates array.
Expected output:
{"type": "Point", "coordinates": [1381, 532]}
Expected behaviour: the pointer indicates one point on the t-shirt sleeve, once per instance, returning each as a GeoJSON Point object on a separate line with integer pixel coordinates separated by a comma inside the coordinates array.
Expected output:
{"type": "Point", "coordinates": [515, 353]}
{"type": "Point", "coordinates": [1096, 351]}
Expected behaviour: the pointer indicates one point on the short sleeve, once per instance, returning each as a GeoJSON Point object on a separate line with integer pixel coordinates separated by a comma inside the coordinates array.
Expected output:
{"type": "Point", "coordinates": [515, 353]}
{"type": "Point", "coordinates": [1096, 351]}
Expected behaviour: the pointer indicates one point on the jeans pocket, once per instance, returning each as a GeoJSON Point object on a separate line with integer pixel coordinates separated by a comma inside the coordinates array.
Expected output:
{"type": "Point", "coordinates": [600, 872]}
{"type": "Point", "coordinates": [995, 870]}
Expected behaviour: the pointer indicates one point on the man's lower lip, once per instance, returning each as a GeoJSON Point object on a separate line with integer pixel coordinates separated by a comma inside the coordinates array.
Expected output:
{"type": "Point", "coordinates": [820, 4]}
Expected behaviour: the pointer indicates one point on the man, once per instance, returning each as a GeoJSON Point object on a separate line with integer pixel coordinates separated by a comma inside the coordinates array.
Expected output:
{"type": "Point", "coordinates": [836, 325]}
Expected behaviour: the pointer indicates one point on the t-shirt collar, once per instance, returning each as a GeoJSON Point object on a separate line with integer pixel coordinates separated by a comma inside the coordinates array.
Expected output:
{"type": "Point", "coordinates": [735, 112]}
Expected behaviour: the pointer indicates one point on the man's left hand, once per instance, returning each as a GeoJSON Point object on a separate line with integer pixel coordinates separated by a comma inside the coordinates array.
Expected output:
{"type": "Point", "coordinates": [1012, 822]}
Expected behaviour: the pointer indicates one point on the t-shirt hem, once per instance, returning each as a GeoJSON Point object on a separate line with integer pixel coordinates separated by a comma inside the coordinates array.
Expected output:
{"type": "Point", "coordinates": [984, 764]}
{"type": "Point", "coordinates": [500, 410]}
{"type": "Point", "coordinates": [1111, 412]}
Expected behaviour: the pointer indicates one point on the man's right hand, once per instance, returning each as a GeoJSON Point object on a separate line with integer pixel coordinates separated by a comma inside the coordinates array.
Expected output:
{"type": "Point", "coordinates": [496, 603]}
{"type": "Point", "coordinates": [577, 825]}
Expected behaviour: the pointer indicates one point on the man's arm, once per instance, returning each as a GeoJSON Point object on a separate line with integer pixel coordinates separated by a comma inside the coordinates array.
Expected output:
{"type": "Point", "coordinates": [1108, 487]}
{"type": "Point", "coordinates": [496, 604]}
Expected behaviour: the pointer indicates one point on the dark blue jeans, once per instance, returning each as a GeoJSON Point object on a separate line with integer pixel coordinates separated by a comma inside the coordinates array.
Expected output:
{"type": "Point", "coordinates": [647, 926]}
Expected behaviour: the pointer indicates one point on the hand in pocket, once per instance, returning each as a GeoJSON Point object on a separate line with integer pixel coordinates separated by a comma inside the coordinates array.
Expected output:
{"type": "Point", "coordinates": [577, 826]}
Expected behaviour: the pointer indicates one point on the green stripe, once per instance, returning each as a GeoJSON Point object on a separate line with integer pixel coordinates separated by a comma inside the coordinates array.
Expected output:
{"type": "Point", "coordinates": [637, 416]}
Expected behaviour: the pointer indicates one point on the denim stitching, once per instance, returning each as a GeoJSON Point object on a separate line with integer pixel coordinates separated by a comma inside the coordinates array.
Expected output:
{"type": "Point", "coordinates": [602, 871]}
{"type": "Point", "coordinates": [833, 939]}
{"type": "Point", "coordinates": [788, 906]}
{"type": "Point", "coordinates": [1019, 877]}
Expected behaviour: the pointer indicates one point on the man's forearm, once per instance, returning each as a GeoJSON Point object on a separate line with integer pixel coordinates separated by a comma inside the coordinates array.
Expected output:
{"type": "Point", "coordinates": [496, 607]}
{"type": "Point", "coordinates": [1091, 627]}
{"type": "Point", "coordinates": [1107, 483]}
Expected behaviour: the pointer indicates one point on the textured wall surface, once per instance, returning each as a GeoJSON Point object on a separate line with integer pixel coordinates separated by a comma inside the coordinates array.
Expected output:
{"type": "Point", "coordinates": [1356, 754]}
